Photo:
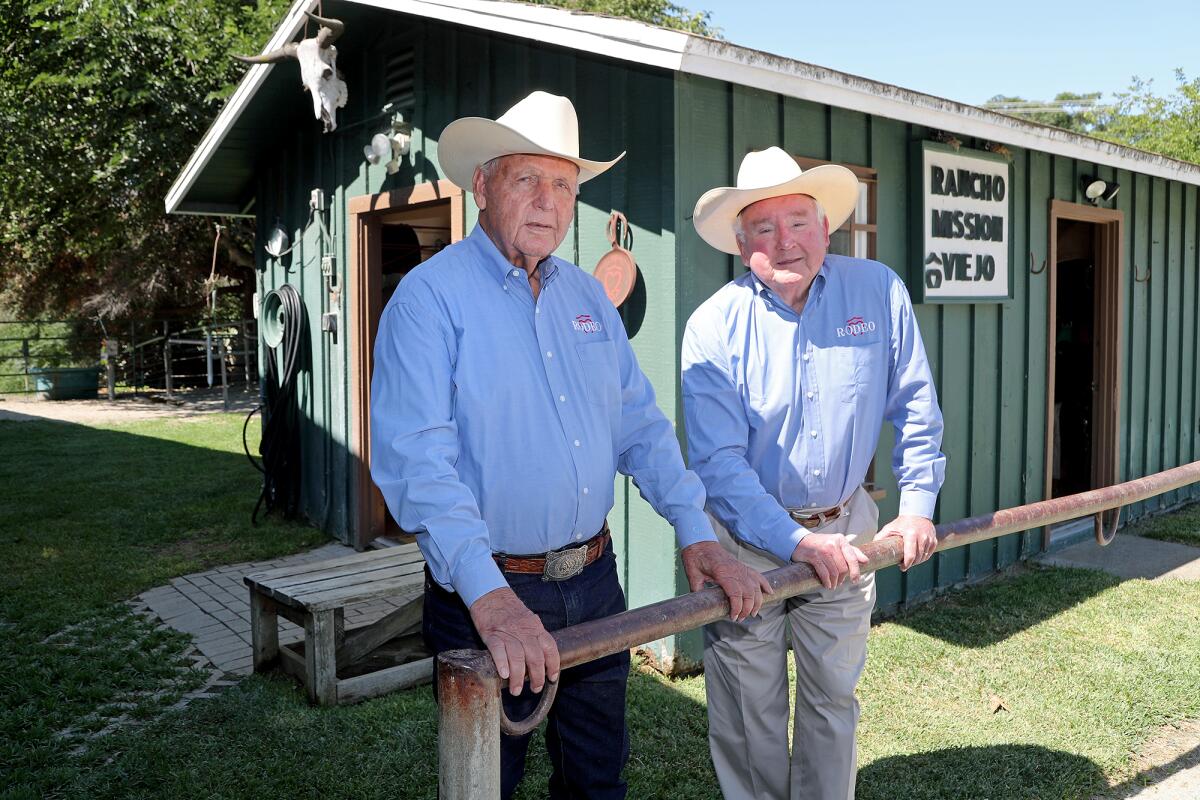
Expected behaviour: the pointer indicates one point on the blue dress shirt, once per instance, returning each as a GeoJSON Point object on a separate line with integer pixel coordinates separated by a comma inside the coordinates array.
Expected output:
{"type": "Point", "coordinates": [783, 410]}
{"type": "Point", "coordinates": [498, 423]}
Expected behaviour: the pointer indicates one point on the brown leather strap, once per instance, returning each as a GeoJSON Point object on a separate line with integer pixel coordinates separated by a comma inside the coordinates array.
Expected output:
{"type": "Point", "coordinates": [813, 520]}
{"type": "Point", "coordinates": [536, 565]}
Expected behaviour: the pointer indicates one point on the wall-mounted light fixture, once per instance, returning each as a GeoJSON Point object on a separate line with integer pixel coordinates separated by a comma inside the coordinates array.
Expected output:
{"type": "Point", "coordinates": [1097, 189]}
{"type": "Point", "coordinates": [278, 243]}
{"type": "Point", "coordinates": [390, 145]}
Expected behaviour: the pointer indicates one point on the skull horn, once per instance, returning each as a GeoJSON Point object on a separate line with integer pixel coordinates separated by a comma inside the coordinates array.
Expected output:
{"type": "Point", "coordinates": [288, 51]}
{"type": "Point", "coordinates": [336, 28]}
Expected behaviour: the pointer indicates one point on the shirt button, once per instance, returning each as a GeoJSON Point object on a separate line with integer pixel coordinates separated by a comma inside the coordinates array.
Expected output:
{"type": "Point", "coordinates": [804, 357]}
{"type": "Point", "coordinates": [585, 490]}
{"type": "Point", "coordinates": [813, 434]}
{"type": "Point", "coordinates": [578, 536]}
{"type": "Point", "coordinates": [810, 395]}
{"type": "Point", "coordinates": [812, 505]}
{"type": "Point", "coordinates": [817, 472]}
{"type": "Point", "coordinates": [577, 443]}
{"type": "Point", "coordinates": [562, 398]}
{"type": "Point", "coordinates": [516, 272]}
{"type": "Point", "coordinates": [549, 354]}
{"type": "Point", "coordinates": [537, 311]}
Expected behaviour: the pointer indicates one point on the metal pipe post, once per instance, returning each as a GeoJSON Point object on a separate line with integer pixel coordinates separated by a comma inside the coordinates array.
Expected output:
{"type": "Point", "coordinates": [167, 357]}
{"type": "Point", "coordinates": [468, 726]}
{"type": "Point", "coordinates": [224, 381]}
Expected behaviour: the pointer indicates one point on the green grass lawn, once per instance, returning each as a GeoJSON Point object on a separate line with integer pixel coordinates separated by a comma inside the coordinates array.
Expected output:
{"type": "Point", "coordinates": [1181, 526]}
{"type": "Point", "coordinates": [1087, 667]}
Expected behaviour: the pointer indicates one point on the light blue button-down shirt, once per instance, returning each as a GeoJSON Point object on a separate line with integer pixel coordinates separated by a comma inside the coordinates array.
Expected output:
{"type": "Point", "coordinates": [498, 422]}
{"type": "Point", "coordinates": [783, 410]}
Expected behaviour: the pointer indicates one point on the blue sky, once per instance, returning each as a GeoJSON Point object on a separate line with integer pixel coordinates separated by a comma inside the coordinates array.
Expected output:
{"type": "Point", "coordinates": [969, 50]}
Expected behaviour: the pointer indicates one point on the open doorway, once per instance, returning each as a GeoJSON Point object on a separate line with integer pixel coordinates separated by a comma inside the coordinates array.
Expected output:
{"type": "Point", "coordinates": [391, 234]}
{"type": "Point", "coordinates": [1084, 348]}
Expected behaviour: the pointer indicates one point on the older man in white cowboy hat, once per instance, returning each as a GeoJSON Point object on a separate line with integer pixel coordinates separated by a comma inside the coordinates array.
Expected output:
{"type": "Point", "coordinates": [788, 373]}
{"type": "Point", "coordinates": [505, 399]}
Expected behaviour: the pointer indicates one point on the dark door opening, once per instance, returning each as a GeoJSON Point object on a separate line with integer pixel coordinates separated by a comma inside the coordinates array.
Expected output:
{"type": "Point", "coordinates": [1074, 358]}
{"type": "Point", "coordinates": [1083, 358]}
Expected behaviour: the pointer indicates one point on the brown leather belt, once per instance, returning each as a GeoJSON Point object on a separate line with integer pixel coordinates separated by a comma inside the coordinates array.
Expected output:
{"type": "Point", "coordinates": [813, 520]}
{"type": "Point", "coordinates": [557, 565]}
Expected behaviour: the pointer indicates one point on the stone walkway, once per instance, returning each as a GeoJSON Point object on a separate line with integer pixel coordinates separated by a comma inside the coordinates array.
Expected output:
{"type": "Point", "coordinates": [214, 607]}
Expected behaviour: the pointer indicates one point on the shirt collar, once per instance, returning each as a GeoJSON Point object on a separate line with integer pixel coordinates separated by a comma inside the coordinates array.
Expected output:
{"type": "Point", "coordinates": [815, 290]}
{"type": "Point", "coordinates": [498, 264]}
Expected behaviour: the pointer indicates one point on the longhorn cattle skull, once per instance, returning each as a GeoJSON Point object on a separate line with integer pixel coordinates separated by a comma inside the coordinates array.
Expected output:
{"type": "Point", "coordinates": [318, 68]}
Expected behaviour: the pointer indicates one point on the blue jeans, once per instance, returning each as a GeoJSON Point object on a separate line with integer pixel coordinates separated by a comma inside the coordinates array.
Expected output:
{"type": "Point", "coordinates": [585, 731]}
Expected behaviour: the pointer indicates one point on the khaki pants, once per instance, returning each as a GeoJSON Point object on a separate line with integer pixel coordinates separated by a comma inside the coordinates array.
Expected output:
{"type": "Point", "coordinates": [745, 677]}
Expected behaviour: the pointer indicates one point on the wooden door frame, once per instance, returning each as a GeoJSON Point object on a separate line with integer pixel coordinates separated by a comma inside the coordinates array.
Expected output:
{"type": "Point", "coordinates": [364, 305]}
{"type": "Point", "coordinates": [1109, 303]}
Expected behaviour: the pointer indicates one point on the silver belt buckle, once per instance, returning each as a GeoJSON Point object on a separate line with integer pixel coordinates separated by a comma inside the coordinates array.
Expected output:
{"type": "Point", "coordinates": [563, 564]}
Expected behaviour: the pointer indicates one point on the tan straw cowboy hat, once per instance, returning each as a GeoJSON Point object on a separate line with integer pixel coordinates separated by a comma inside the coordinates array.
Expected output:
{"type": "Point", "coordinates": [541, 124]}
{"type": "Point", "coordinates": [772, 173]}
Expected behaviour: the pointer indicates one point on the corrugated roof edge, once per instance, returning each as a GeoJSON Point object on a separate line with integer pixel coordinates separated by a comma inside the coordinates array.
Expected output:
{"type": "Point", "coordinates": [641, 43]}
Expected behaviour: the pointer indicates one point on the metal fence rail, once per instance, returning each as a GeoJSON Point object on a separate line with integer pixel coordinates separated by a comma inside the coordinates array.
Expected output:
{"type": "Point", "coordinates": [470, 715]}
{"type": "Point", "coordinates": [144, 357]}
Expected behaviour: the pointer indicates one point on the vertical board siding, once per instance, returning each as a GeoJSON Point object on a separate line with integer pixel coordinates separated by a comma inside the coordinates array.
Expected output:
{"type": "Point", "coordinates": [684, 135]}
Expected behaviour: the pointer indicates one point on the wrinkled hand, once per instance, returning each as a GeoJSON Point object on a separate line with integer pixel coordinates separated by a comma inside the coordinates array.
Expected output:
{"type": "Point", "coordinates": [708, 561]}
{"type": "Point", "coordinates": [516, 639]}
{"type": "Point", "coordinates": [832, 557]}
{"type": "Point", "coordinates": [920, 539]}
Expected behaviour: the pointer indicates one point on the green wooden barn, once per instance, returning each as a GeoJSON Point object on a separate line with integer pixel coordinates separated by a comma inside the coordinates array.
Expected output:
{"type": "Point", "coordinates": [1054, 275]}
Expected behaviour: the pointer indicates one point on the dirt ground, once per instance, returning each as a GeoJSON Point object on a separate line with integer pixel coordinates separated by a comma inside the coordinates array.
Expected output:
{"type": "Point", "coordinates": [1168, 767]}
{"type": "Point", "coordinates": [129, 408]}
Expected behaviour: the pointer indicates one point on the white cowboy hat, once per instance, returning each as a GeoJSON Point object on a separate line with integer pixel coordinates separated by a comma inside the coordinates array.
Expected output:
{"type": "Point", "coordinates": [541, 124]}
{"type": "Point", "coordinates": [772, 173]}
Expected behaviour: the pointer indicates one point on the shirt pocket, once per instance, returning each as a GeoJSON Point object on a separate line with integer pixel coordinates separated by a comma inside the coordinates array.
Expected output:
{"type": "Point", "coordinates": [601, 379]}
{"type": "Point", "coordinates": [855, 366]}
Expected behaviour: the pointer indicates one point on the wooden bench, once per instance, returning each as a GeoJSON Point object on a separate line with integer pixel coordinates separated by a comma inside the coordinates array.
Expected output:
{"type": "Point", "coordinates": [334, 664]}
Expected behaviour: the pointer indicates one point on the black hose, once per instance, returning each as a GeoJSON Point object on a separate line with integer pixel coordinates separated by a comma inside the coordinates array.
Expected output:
{"type": "Point", "coordinates": [280, 443]}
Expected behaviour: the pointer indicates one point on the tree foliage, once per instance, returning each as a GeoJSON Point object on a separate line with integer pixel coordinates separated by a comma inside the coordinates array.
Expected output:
{"type": "Point", "coordinates": [1167, 124]}
{"type": "Point", "coordinates": [655, 12]}
{"type": "Point", "coordinates": [101, 102]}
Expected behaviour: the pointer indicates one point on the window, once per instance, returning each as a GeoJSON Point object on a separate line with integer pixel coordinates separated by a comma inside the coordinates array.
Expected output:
{"type": "Point", "coordinates": [856, 237]}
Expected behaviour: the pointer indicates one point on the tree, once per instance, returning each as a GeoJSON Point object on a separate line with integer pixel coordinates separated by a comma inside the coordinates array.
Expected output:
{"type": "Point", "coordinates": [655, 12]}
{"type": "Point", "coordinates": [1168, 125]}
{"type": "Point", "coordinates": [100, 104]}
{"type": "Point", "coordinates": [1068, 110]}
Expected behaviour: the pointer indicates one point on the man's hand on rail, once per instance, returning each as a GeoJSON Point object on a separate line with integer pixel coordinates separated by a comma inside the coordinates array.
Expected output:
{"type": "Point", "coordinates": [708, 561]}
{"type": "Point", "coordinates": [920, 539]}
{"type": "Point", "coordinates": [832, 557]}
{"type": "Point", "coordinates": [515, 637]}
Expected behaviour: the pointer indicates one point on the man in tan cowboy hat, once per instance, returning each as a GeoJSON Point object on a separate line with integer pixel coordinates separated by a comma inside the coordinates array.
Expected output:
{"type": "Point", "coordinates": [788, 372]}
{"type": "Point", "coordinates": [505, 398]}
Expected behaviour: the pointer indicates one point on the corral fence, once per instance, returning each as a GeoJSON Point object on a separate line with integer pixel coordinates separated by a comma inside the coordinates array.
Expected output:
{"type": "Point", "coordinates": [87, 358]}
{"type": "Point", "coordinates": [471, 715]}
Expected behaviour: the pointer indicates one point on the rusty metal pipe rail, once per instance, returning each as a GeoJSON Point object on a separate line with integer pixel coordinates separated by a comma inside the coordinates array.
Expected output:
{"type": "Point", "coordinates": [470, 714]}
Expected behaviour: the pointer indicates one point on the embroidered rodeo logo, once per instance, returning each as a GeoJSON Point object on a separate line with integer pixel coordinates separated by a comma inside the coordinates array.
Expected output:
{"type": "Point", "coordinates": [855, 326]}
{"type": "Point", "coordinates": [585, 323]}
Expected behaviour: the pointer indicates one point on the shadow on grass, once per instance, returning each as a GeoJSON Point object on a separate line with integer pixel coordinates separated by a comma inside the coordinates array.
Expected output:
{"type": "Point", "coordinates": [1015, 772]}
{"type": "Point", "coordinates": [982, 616]}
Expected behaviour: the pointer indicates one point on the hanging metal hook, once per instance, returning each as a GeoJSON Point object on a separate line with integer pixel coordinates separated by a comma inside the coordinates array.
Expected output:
{"type": "Point", "coordinates": [1141, 280]}
{"type": "Point", "coordinates": [1104, 539]}
{"type": "Point", "coordinates": [533, 720]}
{"type": "Point", "coordinates": [1033, 271]}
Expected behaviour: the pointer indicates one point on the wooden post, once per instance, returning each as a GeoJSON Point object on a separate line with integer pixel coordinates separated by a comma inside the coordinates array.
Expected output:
{"type": "Point", "coordinates": [224, 381]}
{"type": "Point", "coordinates": [167, 357]}
{"type": "Point", "coordinates": [319, 649]}
{"type": "Point", "coordinates": [25, 358]}
{"type": "Point", "coordinates": [264, 631]}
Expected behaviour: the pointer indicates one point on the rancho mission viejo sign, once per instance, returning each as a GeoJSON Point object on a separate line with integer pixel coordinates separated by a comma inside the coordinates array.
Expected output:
{"type": "Point", "coordinates": [964, 227]}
